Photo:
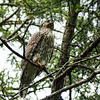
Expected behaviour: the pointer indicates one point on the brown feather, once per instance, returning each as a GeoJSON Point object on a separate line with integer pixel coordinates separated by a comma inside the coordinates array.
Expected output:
{"type": "Point", "coordinates": [39, 48]}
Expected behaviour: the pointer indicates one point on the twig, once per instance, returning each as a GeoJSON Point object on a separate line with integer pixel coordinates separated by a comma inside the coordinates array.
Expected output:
{"type": "Point", "coordinates": [10, 22]}
{"type": "Point", "coordinates": [86, 67]}
{"type": "Point", "coordinates": [9, 38]}
{"type": "Point", "coordinates": [57, 48]}
{"type": "Point", "coordinates": [2, 97]}
{"type": "Point", "coordinates": [7, 4]}
{"type": "Point", "coordinates": [27, 28]}
{"type": "Point", "coordinates": [90, 47]}
{"type": "Point", "coordinates": [1, 43]}
{"type": "Point", "coordinates": [16, 30]}
{"type": "Point", "coordinates": [3, 21]}
{"type": "Point", "coordinates": [23, 38]}
{"type": "Point", "coordinates": [58, 31]}
{"type": "Point", "coordinates": [84, 26]}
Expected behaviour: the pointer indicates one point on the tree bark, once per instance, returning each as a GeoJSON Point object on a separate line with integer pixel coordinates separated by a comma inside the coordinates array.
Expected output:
{"type": "Point", "coordinates": [64, 56]}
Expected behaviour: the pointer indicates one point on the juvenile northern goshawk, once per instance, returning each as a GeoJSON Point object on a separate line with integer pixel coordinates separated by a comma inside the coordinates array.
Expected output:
{"type": "Point", "coordinates": [38, 50]}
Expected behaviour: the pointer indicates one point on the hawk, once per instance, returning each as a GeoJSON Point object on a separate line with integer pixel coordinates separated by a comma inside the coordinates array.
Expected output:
{"type": "Point", "coordinates": [38, 50]}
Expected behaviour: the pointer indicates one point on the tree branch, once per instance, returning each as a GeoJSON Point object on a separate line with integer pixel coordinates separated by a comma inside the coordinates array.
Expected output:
{"type": "Point", "coordinates": [27, 28]}
{"type": "Point", "coordinates": [86, 67]}
{"type": "Point", "coordinates": [73, 85]}
{"type": "Point", "coordinates": [84, 27]}
{"type": "Point", "coordinates": [34, 84]}
{"type": "Point", "coordinates": [90, 47]}
{"type": "Point", "coordinates": [38, 65]}
{"type": "Point", "coordinates": [34, 64]}
{"type": "Point", "coordinates": [97, 71]}
{"type": "Point", "coordinates": [8, 40]}
{"type": "Point", "coordinates": [10, 22]}
{"type": "Point", "coordinates": [7, 4]}
{"type": "Point", "coordinates": [3, 21]}
{"type": "Point", "coordinates": [23, 38]}
{"type": "Point", "coordinates": [17, 30]}
{"type": "Point", "coordinates": [67, 68]}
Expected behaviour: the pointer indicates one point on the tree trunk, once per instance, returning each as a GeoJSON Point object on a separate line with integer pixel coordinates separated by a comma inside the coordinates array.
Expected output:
{"type": "Point", "coordinates": [64, 56]}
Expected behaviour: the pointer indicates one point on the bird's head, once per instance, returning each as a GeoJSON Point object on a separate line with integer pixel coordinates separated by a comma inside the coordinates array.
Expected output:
{"type": "Point", "coordinates": [48, 24]}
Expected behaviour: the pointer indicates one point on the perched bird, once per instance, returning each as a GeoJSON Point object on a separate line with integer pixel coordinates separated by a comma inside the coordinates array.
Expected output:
{"type": "Point", "coordinates": [38, 50]}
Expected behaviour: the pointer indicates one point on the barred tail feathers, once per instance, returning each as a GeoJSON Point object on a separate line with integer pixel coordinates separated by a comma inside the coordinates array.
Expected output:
{"type": "Point", "coordinates": [24, 92]}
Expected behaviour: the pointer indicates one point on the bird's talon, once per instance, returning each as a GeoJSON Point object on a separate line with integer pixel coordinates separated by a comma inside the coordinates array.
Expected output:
{"type": "Point", "coordinates": [40, 63]}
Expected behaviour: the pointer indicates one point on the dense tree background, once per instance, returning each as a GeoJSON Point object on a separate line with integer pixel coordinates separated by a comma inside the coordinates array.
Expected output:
{"type": "Point", "coordinates": [75, 61]}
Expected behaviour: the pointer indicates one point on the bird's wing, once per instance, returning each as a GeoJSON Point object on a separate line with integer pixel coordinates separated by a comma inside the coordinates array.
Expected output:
{"type": "Point", "coordinates": [29, 51]}
{"type": "Point", "coordinates": [32, 44]}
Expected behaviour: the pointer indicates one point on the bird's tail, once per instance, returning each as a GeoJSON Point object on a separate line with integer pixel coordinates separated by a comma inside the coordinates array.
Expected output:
{"type": "Point", "coordinates": [22, 92]}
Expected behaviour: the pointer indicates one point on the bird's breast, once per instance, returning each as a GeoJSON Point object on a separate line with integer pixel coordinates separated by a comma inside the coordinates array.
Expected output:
{"type": "Point", "coordinates": [44, 49]}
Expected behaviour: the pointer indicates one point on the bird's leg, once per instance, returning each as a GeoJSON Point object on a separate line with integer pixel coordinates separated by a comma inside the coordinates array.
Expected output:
{"type": "Point", "coordinates": [43, 67]}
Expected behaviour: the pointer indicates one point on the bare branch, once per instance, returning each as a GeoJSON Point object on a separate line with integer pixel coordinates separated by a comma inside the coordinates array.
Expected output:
{"type": "Point", "coordinates": [86, 67]}
{"type": "Point", "coordinates": [58, 31]}
{"type": "Point", "coordinates": [67, 68]}
{"type": "Point", "coordinates": [90, 47]}
{"type": "Point", "coordinates": [7, 4]}
{"type": "Point", "coordinates": [23, 38]}
{"type": "Point", "coordinates": [16, 30]}
{"type": "Point", "coordinates": [27, 29]}
{"type": "Point", "coordinates": [83, 60]}
{"type": "Point", "coordinates": [73, 85]}
{"type": "Point", "coordinates": [10, 39]}
{"type": "Point", "coordinates": [19, 22]}
{"type": "Point", "coordinates": [10, 22]}
{"type": "Point", "coordinates": [84, 27]}
{"type": "Point", "coordinates": [3, 21]}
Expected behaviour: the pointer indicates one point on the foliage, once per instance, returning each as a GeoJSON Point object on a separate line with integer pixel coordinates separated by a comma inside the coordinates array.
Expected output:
{"type": "Point", "coordinates": [86, 31]}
